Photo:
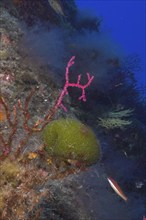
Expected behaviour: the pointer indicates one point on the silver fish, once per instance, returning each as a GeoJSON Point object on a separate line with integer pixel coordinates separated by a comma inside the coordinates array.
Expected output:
{"type": "Point", "coordinates": [117, 188]}
{"type": "Point", "coordinates": [56, 5]}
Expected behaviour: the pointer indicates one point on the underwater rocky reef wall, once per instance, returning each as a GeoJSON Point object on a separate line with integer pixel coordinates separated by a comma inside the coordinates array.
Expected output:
{"type": "Point", "coordinates": [37, 41]}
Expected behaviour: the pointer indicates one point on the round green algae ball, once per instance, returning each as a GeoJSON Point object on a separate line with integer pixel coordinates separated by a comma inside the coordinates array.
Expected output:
{"type": "Point", "coordinates": [70, 139]}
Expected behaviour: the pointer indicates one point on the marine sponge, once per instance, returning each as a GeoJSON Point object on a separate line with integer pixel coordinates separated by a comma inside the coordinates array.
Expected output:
{"type": "Point", "coordinates": [70, 139]}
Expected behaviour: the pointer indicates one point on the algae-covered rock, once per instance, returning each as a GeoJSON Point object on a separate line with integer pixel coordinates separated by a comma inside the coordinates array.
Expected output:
{"type": "Point", "coordinates": [8, 172]}
{"type": "Point", "coordinates": [70, 139]}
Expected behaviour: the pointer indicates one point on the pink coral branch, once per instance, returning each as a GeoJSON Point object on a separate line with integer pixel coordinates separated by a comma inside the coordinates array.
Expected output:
{"type": "Point", "coordinates": [68, 84]}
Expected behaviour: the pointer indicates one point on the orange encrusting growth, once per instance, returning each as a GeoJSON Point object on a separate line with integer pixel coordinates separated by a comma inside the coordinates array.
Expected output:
{"type": "Point", "coordinates": [2, 114]}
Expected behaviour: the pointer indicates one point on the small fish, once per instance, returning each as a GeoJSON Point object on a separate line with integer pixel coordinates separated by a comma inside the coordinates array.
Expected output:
{"type": "Point", "coordinates": [56, 5]}
{"type": "Point", "coordinates": [125, 153]}
{"type": "Point", "coordinates": [119, 84]}
{"type": "Point", "coordinates": [117, 188]}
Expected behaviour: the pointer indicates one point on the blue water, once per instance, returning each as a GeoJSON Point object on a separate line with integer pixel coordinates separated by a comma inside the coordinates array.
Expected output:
{"type": "Point", "coordinates": [125, 21]}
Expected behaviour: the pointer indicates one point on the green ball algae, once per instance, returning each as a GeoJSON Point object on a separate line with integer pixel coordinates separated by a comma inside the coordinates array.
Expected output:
{"type": "Point", "coordinates": [70, 139]}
